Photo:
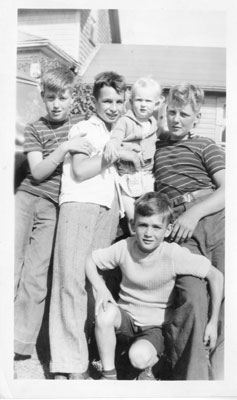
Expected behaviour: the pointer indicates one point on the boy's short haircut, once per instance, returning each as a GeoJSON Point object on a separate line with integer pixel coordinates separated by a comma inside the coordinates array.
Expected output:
{"type": "Point", "coordinates": [110, 79]}
{"type": "Point", "coordinates": [152, 203]}
{"type": "Point", "coordinates": [147, 82]}
{"type": "Point", "coordinates": [187, 93]}
{"type": "Point", "coordinates": [58, 79]}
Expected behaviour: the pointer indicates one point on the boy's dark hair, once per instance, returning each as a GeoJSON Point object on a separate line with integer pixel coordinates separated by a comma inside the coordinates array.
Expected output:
{"type": "Point", "coordinates": [186, 93]}
{"type": "Point", "coordinates": [110, 79]}
{"type": "Point", "coordinates": [58, 79]}
{"type": "Point", "coordinates": [154, 203]}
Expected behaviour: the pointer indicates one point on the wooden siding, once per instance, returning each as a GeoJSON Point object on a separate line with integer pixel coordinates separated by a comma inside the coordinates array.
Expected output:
{"type": "Point", "coordinates": [69, 29]}
{"type": "Point", "coordinates": [61, 27]}
{"type": "Point", "coordinates": [206, 126]}
{"type": "Point", "coordinates": [102, 32]}
{"type": "Point", "coordinates": [212, 121]}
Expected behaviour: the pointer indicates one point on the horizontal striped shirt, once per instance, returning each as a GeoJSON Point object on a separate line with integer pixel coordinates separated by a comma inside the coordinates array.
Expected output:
{"type": "Point", "coordinates": [45, 136]}
{"type": "Point", "coordinates": [186, 165]}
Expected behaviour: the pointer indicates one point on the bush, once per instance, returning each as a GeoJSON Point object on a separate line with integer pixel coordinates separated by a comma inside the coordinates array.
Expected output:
{"type": "Point", "coordinates": [83, 103]}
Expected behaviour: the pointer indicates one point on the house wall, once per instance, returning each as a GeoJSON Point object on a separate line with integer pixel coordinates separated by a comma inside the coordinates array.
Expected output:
{"type": "Point", "coordinates": [61, 27]}
{"type": "Point", "coordinates": [212, 122]}
{"type": "Point", "coordinates": [74, 31]}
{"type": "Point", "coordinates": [95, 28]}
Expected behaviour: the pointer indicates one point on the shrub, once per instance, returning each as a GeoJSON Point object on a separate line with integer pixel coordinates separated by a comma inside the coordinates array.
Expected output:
{"type": "Point", "coordinates": [83, 103]}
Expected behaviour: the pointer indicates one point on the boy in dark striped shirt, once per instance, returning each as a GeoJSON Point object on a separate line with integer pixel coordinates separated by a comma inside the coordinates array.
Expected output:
{"type": "Point", "coordinates": [46, 145]}
{"type": "Point", "coordinates": [190, 169]}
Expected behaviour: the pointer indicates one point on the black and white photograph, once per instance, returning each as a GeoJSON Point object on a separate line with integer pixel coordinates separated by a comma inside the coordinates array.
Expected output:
{"type": "Point", "coordinates": [118, 229]}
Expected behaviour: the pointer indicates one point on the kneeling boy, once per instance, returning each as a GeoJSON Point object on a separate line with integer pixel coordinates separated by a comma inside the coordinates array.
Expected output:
{"type": "Point", "coordinates": [149, 266]}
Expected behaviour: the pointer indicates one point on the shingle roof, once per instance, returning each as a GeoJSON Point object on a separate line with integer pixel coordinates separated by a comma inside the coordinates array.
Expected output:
{"type": "Point", "coordinates": [204, 66]}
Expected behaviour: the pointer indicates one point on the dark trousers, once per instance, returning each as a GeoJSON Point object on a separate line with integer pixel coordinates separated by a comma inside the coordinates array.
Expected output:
{"type": "Point", "coordinates": [189, 358]}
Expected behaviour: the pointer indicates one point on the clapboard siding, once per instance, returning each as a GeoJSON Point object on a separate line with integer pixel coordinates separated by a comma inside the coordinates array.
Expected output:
{"type": "Point", "coordinates": [61, 27]}
{"type": "Point", "coordinates": [206, 126]}
{"type": "Point", "coordinates": [102, 32]}
{"type": "Point", "coordinates": [67, 28]}
{"type": "Point", "coordinates": [211, 125]}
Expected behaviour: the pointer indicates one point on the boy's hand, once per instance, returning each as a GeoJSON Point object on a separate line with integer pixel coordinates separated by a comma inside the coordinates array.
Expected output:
{"type": "Point", "coordinates": [103, 297]}
{"type": "Point", "coordinates": [184, 226]}
{"type": "Point", "coordinates": [110, 152]}
{"type": "Point", "coordinates": [78, 144]}
{"type": "Point", "coordinates": [210, 336]}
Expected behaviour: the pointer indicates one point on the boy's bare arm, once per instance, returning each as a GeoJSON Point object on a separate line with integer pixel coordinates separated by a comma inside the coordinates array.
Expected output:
{"type": "Point", "coordinates": [215, 280]}
{"type": "Point", "coordinates": [85, 167]}
{"type": "Point", "coordinates": [186, 223]}
{"type": "Point", "coordinates": [42, 168]}
{"type": "Point", "coordinates": [103, 295]}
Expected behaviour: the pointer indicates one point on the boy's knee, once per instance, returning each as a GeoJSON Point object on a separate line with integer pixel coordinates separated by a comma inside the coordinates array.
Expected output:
{"type": "Point", "coordinates": [106, 317]}
{"type": "Point", "coordinates": [140, 355]}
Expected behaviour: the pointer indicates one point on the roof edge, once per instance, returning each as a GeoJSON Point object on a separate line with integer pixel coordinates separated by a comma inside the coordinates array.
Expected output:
{"type": "Point", "coordinates": [45, 43]}
{"type": "Point", "coordinates": [89, 60]}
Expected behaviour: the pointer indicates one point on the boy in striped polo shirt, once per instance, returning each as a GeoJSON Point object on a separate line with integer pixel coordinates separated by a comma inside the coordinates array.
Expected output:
{"type": "Point", "coordinates": [149, 266]}
{"type": "Point", "coordinates": [46, 145]}
{"type": "Point", "coordinates": [190, 169]}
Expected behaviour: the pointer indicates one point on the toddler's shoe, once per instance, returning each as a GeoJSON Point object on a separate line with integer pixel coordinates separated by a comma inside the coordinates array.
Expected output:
{"type": "Point", "coordinates": [146, 375]}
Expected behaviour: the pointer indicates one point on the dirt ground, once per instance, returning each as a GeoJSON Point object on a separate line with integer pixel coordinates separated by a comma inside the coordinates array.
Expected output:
{"type": "Point", "coordinates": [37, 367]}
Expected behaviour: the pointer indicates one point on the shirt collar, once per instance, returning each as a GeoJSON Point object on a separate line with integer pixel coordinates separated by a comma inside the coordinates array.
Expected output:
{"type": "Point", "coordinates": [95, 120]}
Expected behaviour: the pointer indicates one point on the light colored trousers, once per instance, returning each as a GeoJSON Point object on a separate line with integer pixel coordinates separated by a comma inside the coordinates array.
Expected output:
{"type": "Point", "coordinates": [35, 224]}
{"type": "Point", "coordinates": [82, 227]}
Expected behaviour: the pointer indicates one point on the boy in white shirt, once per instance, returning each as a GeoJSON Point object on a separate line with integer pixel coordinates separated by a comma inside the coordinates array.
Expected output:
{"type": "Point", "coordinates": [88, 219]}
{"type": "Point", "coordinates": [149, 266]}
